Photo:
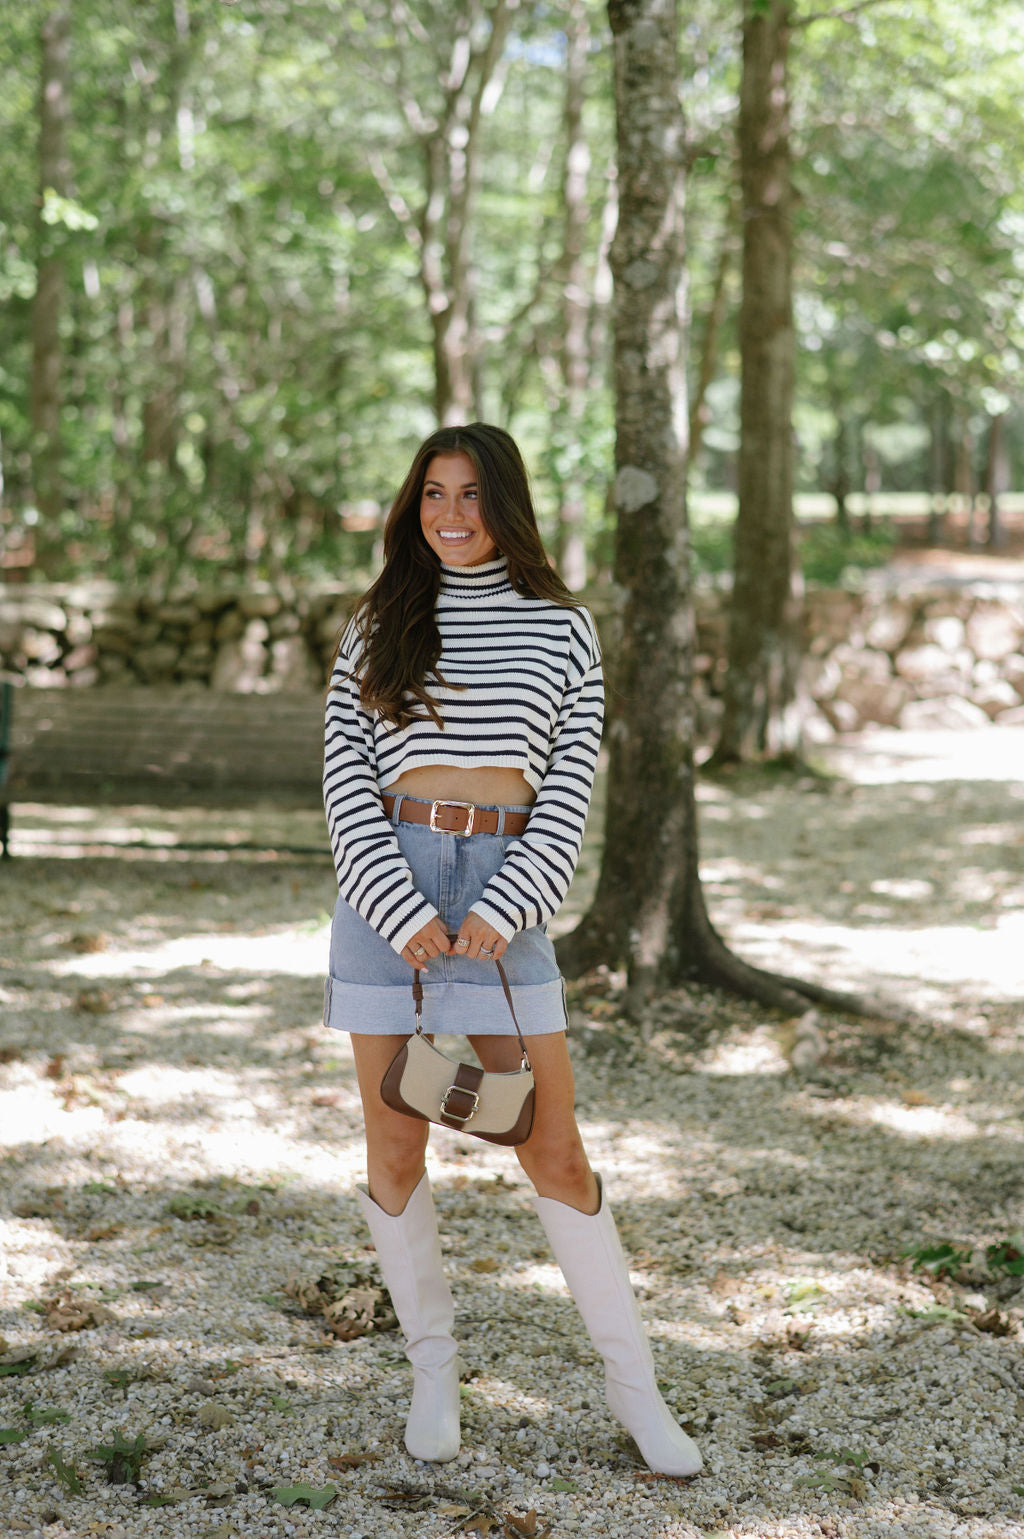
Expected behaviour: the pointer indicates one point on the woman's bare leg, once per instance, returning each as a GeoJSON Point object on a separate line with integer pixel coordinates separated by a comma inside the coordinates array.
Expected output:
{"type": "Point", "coordinates": [553, 1156]}
{"type": "Point", "coordinates": [396, 1145]}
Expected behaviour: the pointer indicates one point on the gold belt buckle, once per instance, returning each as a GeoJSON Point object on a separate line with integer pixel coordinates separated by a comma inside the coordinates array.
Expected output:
{"type": "Point", "coordinates": [461, 833]}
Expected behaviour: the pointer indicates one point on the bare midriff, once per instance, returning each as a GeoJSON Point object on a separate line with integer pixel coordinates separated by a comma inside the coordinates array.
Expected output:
{"type": "Point", "coordinates": [489, 785]}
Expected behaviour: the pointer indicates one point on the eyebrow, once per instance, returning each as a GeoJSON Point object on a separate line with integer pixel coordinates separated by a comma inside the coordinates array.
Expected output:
{"type": "Point", "coordinates": [430, 481]}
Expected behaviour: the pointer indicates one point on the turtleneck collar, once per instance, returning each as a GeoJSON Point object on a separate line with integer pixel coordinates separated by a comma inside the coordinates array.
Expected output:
{"type": "Point", "coordinates": [481, 581]}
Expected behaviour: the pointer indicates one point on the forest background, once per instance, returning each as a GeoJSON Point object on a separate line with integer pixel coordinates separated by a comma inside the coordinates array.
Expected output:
{"type": "Point", "coordinates": [250, 252]}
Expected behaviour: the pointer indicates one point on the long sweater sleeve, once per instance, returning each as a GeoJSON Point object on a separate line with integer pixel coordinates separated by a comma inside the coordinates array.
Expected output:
{"type": "Point", "coordinates": [373, 874]}
{"type": "Point", "coordinates": [535, 876]}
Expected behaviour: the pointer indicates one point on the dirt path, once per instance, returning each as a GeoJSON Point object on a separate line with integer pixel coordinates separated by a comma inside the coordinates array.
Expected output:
{"type": "Point", "coordinates": [180, 1137]}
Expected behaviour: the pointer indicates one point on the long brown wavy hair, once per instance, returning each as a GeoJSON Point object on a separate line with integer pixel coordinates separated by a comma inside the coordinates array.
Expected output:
{"type": "Point", "coordinates": [395, 619]}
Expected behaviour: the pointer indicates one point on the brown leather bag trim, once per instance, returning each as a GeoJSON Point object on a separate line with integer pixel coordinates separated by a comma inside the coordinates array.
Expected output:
{"type": "Point", "coordinates": [391, 1087]}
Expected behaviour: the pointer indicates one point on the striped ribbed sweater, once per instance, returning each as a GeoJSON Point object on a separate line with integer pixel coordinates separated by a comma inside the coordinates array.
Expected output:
{"type": "Point", "coordinates": [531, 699]}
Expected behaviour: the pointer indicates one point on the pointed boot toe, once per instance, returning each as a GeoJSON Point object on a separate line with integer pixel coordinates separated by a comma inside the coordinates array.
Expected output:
{"type": "Point", "coordinates": [664, 1446]}
{"type": "Point", "coordinates": [432, 1430]}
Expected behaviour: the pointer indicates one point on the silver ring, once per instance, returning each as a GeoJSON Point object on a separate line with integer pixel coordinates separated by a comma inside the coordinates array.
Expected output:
{"type": "Point", "coordinates": [462, 941]}
{"type": "Point", "coordinates": [485, 953]}
{"type": "Point", "coordinates": [419, 951]}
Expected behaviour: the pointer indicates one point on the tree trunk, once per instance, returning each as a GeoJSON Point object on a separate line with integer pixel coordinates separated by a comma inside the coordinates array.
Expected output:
{"type": "Point", "coordinates": [712, 328]}
{"type": "Point", "coordinates": [963, 474]}
{"type": "Point", "coordinates": [651, 726]}
{"type": "Point", "coordinates": [762, 707]}
{"type": "Point", "coordinates": [649, 909]}
{"type": "Point", "coordinates": [938, 473]}
{"type": "Point", "coordinates": [839, 484]}
{"type": "Point", "coordinates": [474, 81]}
{"type": "Point", "coordinates": [575, 351]}
{"type": "Point", "coordinates": [996, 478]}
{"type": "Point", "coordinates": [48, 304]}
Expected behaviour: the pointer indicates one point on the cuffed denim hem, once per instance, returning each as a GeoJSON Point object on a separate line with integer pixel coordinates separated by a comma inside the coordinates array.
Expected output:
{"type": "Point", "coordinates": [449, 1008]}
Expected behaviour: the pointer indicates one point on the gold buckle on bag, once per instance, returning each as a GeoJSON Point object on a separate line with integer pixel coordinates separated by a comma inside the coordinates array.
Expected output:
{"type": "Point", "coordinates": [461, 833]}
{"type": "Point", "coordinates": [454, 1115]}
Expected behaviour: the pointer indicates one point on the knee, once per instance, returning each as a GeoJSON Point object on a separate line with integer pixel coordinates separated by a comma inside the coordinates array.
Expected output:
{"type": "Point", "coordinates": [399, 1154]}
{"type": "Point", "coordinates": [561, 1158]}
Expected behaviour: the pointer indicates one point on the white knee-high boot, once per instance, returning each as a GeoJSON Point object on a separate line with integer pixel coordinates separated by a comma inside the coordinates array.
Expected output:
{"type": "Point", "coordinates": [409, 1253]}
{"type": "Point", "coordinates": [587, 1248]}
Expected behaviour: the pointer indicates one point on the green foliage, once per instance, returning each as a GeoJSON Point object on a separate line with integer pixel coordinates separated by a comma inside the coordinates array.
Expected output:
{"type": "Point", "coordinates": [43, 1416]}
{"type": "Point", "coordinates": [830, 557]}
{"type": "Point", "coordinates": [310, 1496]}
{"type": "Point", "coordinates": [946, 1258]}
{"type": "Point", "coordinates": [940, 1260]}
{"type": "Point", "coordinates": [121, 1458]}
{"type": "Point", "coordinates": [16, 1370]}
{"type": "Point", "coordinates": [65, 1472]}
{"type": "Point", "coordinates": [1007, 1256]}
{"type": "Point", "coordinates": [248, 347]}
{"type": "Point", "coordinates": [190, 1205]}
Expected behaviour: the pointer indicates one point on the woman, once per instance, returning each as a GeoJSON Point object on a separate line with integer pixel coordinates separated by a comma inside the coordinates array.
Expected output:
{"type": "Point", "coordinates": [463, 723]}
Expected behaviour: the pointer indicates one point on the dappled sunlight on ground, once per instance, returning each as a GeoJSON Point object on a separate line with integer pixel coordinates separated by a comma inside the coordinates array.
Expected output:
{"type": "Point", "coordinates": [179, 1136]}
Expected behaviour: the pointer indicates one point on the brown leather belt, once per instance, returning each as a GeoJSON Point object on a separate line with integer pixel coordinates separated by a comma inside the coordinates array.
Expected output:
{"type": "Point", "coordinates": [444, 817]}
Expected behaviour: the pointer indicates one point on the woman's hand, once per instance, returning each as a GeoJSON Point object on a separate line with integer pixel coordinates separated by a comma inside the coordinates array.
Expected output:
{"type": "Point", "coordinates": [431, 941]}
{"type": "Point", "coordinates": [484, 942]}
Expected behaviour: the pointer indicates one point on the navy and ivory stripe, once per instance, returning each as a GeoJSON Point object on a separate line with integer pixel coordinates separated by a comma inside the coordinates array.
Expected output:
{"type": "Point", "coordinates": [531, 699]}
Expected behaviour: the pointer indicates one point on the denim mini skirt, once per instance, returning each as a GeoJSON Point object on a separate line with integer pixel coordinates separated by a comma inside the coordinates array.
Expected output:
{"type": "Point", "coordinates": [369, 987]}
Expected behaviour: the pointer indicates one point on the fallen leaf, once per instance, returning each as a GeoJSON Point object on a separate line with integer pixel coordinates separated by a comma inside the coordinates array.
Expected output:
{"type": "Point", "coordinates": [481, 1523]}
{"type": "Point", "coordinates": [484, 1264]}
{"type": "Point", "coordinates": [351, 1303]}
{"type": "Point", "coordinates": [649, 1475]}
{"type": "Point", "coordinates": [94, 1001]}
{"type": "Point", "coordinates": [558, 1484]}
{"type": "Point", "coordinates": [215, 1416]}
{"type": "Point", "coordinates": [288, 1496]}
{"type": "Point", "coordinates": [526, 1527]}
{"type": "Point", "coordinates": [994, 1323]}
{"type": "Point", "coordinates": [68, 1312]}
{"type": "Point", "coordinates": [85, 942]}
{"type": "Point", "coordinates": [350, 1461]}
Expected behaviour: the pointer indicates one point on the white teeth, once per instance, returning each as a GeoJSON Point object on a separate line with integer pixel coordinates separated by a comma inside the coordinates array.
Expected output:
{"type": "Point", "coordinates": [455, 534]}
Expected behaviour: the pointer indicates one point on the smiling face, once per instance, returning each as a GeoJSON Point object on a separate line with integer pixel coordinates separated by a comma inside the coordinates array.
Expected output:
{"type": "Point", "coordinates": [450, 515]}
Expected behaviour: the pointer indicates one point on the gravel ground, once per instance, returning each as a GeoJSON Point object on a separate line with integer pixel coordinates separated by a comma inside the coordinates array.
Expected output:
{"type": "Point", "coordinates": [180, 1138]}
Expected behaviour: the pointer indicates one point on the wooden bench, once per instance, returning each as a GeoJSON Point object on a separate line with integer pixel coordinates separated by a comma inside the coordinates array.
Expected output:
{"type": "Point", "coordinates": [166, 747]}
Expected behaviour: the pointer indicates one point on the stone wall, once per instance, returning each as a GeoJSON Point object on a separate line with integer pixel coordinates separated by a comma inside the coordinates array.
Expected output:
{"type": "Point", "coordinates": [913, 657]}
{"type": "Point", "coordinates": [257, 641]}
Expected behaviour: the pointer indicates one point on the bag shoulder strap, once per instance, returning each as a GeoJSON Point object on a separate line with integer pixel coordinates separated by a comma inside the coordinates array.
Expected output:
{"type": "Point", "coordinates": [417, 994]}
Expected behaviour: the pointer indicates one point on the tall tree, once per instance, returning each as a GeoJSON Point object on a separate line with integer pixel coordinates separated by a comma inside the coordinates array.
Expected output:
{"type": "Point", "coordinates": [649, 906]}
{"type": "Point", "coordinates": [761, 713]}
{"type": "Point", "coordinates": [574, 361]}
{"type": "Point", "coordinates": [51, 281]}
{"type": "Point", "coordinates": [466, 41]}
